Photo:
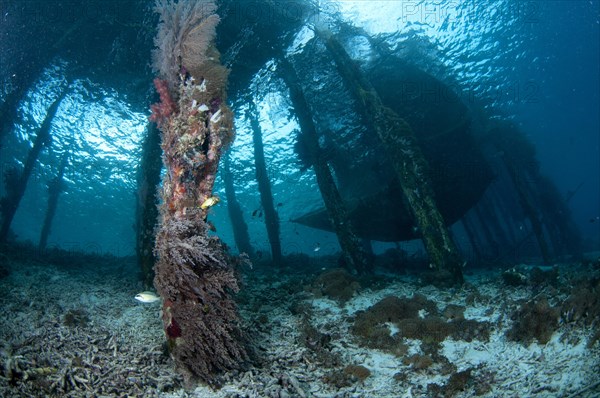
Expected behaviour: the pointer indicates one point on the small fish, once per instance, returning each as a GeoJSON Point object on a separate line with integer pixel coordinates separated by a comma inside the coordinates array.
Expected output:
{"type": "Point", "coordinates": [254, 213]}
{"type": "Point", "coordinates": [317, 248]}
{"type": "Point", "coordinates": [147, 297]}
{"type": "Point", "coordinates": [213, 200]}
{"type": "Point", "coordinates": [279, 204]}
{"type": "Point", "coordinates": [211, 226]}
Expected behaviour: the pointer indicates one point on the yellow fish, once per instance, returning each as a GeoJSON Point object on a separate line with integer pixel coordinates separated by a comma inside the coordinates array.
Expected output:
{"type": "Point", "coordinates": [213, 200]}
{"type": "Point", "coordinates": [147, 297]}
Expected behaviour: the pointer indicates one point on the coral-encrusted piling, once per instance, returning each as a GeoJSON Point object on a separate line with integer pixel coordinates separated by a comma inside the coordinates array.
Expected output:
{"type": "Point", "coordinates": [194, 274]}
{"type": "Point", "coordinates": [409, 163]}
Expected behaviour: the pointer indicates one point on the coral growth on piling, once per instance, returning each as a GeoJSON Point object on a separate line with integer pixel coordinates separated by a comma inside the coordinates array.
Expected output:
{"type": "Point", "coordinates": [194, 274]}
{"type": "Point", "coordinates": [162, 110]}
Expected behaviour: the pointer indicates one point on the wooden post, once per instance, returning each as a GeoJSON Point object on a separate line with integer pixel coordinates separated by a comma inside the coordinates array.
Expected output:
{"type": "Point", "coordinates": [487, 208]}
{"type": "Point", "coordinates": [409, 164]}
{"type": "Point", "coordinates": [148, 179]}
{"type": "Point", "coordinates": [18, 182]}
{"type": "Point", "coordinates": [55, 187]}
{"type": "Point", "coordinates": [240, 228]}
{"type": "Point", "coordinates": [528, 207]}
{"type": "Point", "coordinates": [518, 156]}
{"type": "Point", "coordinates": [264, 186]}
{"type": "Point", "coordinates": [472, 235]}
{"type": "Point", "coordinates": [352, 251]}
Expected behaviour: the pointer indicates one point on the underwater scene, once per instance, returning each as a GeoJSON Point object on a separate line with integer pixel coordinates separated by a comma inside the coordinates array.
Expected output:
{"type": "Point", "coordinates": [299, 198]}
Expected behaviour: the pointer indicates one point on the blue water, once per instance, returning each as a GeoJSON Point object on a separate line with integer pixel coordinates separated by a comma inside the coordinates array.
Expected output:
{"type": "Point", "coordinates": [533, 62]}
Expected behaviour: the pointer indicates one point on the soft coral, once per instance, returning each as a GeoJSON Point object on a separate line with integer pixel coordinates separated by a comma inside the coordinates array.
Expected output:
{"type": "Point", "coordinates": [163, 109]}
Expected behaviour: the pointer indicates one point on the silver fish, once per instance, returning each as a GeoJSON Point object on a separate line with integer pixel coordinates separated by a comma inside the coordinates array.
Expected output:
{"type": "Point", "coordinates": [147, 297]}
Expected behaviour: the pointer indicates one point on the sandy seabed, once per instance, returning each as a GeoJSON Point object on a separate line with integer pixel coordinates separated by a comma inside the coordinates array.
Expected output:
{"type": "Point", "coordinates": [76, 331]}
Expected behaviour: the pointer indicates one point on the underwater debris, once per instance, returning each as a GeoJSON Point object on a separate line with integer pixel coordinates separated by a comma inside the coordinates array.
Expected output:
{"type": "Point", "coordinates": [439, 278]}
